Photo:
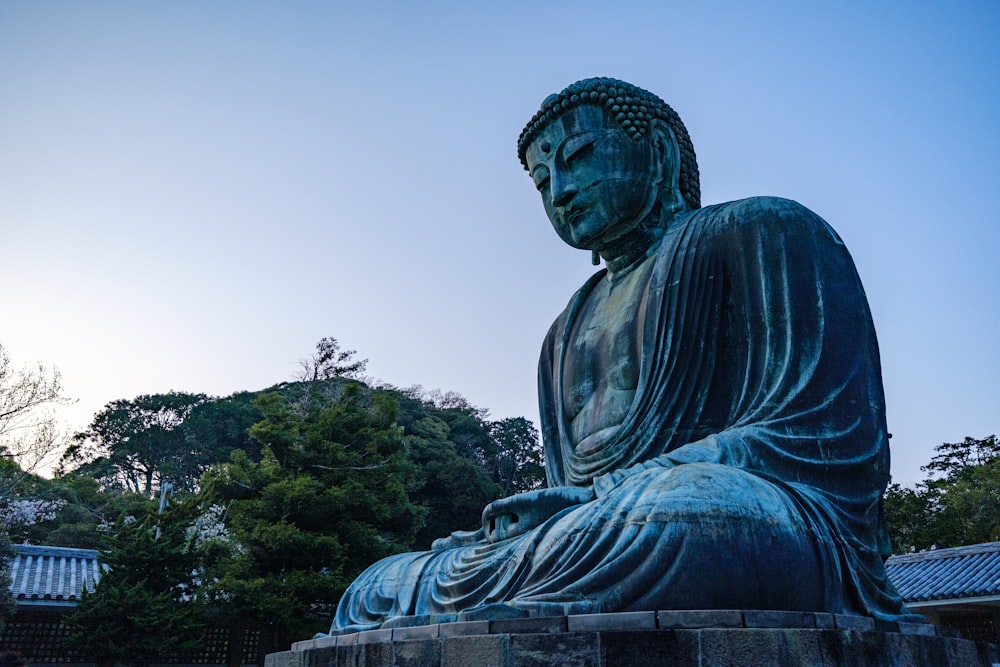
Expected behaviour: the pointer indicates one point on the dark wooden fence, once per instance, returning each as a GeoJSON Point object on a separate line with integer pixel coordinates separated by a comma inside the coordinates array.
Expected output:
{"type": "Point", "coordinates": [43, 639]}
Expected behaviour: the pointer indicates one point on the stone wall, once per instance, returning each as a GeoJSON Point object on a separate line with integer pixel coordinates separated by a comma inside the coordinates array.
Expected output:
{"type": "Point", "coordinates": [663, 639]}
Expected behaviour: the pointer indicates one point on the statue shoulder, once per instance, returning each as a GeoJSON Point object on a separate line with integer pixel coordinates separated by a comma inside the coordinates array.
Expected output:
{"type": "Point", "coordinates": [762, 218]}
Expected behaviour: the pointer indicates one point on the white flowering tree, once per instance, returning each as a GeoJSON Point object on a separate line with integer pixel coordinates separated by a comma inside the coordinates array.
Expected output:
{"type": "Point", "coordinates": [19, 514]}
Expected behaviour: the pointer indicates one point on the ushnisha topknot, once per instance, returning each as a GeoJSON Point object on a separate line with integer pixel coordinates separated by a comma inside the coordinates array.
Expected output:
{"type": "Point", "coordinates": [632, 108]}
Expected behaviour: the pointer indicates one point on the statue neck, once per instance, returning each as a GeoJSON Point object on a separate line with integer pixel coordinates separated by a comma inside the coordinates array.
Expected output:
{"type": "Point", "coordinates": [619, 264]}
{"type": "Point", "coordinates": [624, 254]}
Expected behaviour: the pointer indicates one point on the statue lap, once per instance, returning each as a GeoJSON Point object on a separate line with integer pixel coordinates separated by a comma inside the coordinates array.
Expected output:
{"type": "Point", "coordinates": [697, 536]}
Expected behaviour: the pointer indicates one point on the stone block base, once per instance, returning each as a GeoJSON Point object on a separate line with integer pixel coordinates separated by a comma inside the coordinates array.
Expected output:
{"type": "Point", "coordinates": [664, 639]}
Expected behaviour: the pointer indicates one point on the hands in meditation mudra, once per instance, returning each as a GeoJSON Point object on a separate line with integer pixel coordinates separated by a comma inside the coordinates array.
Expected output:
{"type": "Point", "coordinates": [711, 402]}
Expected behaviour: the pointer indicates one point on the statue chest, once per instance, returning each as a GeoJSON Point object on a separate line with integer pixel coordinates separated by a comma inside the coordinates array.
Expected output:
{"type": "Point", "coordinates": [600, 372]}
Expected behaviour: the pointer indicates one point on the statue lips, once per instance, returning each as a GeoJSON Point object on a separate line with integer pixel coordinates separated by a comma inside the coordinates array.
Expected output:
{"type": "Point", "coordinates": [572, 214]}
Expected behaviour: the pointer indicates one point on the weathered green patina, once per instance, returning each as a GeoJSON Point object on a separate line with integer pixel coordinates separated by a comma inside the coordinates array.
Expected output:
{"type": "Point", "coordinates": [711, 402]}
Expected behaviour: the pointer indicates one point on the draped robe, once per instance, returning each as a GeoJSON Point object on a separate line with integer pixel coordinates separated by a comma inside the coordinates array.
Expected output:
{"type": "Point", "coordinates": [748, 471]}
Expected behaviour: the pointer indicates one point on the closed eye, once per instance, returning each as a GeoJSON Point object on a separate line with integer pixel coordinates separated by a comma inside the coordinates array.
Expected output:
{"type": "Point", "coordinates": [578, 147]}
{"type": "Point", "coordinates": [580, 152]}
{"type": "Point", "coordinates": [541, 178]}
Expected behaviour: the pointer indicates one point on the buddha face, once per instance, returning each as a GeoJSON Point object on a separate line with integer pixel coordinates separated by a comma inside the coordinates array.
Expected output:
{"type": "Point", "coordinates": [596, 182]}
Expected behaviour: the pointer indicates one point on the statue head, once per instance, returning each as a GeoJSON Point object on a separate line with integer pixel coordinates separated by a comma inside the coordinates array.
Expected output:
{"type": "Point", "coordinates": [608, 157]}
{"type": "Point", "coordinates": [633, 109]}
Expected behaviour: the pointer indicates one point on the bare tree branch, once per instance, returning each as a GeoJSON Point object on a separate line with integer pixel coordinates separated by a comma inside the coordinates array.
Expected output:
{"type": "Point", "coordinates": [29, 432]}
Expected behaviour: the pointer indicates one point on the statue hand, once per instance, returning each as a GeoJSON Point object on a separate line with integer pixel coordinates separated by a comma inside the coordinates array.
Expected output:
{"type": "Point", "coordinates": [460, 538]}
{"type": "Point", "coordinates": [513, 516]}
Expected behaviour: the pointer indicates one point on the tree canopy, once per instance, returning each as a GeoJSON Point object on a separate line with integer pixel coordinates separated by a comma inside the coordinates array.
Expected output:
{"type": "Point", "coordinates": [957, 504]}
{"type": "Point", "coordinates": [136, 444]}
{"type": "Point", "coordinates": [328, 497]}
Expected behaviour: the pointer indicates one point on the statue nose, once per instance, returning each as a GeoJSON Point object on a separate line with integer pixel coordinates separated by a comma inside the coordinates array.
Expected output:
{"type": "Point", "coordinates": [563, 189]}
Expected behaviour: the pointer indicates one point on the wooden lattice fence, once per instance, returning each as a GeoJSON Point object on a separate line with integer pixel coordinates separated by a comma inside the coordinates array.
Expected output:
{"type": "Point", "coordinates": [43, 639]}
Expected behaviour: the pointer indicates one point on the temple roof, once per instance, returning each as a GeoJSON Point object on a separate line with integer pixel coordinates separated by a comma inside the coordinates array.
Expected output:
{"type": "Point", "coordinates": [52, 576]}
{"type": "Point", "coordinates": [947, 574]}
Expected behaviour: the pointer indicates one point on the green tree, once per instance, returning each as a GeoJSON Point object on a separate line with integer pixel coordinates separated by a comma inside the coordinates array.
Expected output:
{"type": "Point", "coordinates": [967, 506]}
{"type": "Point", "coordinates": [452, 488]}
{"type": "Point", "coordinates": [465, 461]}
{"type": "Point", "coordinates": [136, 444]}
{"type": "Point", "coordinates": [219, 426]}
{"type": "Point", "coordinates": [908, 514]}
{"type": "Point", "coordinates": [518, 464]}
{"type": "Point", "coordinates": [328, 498]}
{"type": "Point", "coordinates": [958, 503]}
{"type": "Point", "coordinates": [145, 609]}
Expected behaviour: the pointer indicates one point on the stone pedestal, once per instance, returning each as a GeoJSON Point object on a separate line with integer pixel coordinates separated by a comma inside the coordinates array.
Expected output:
{"type": "Point", "coordinates": [663, 639]}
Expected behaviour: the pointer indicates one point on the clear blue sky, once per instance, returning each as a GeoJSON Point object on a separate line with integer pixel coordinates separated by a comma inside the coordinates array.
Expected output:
{"type": "Point", "coordinates": [193, 193]}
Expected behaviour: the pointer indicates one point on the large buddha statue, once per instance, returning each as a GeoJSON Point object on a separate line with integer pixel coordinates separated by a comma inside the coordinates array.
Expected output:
{"type": "Point", "coordinates": [711, 402]}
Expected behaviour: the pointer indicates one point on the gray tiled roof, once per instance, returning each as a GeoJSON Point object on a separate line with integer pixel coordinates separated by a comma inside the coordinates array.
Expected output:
{"type": "Point", "coordinates": [52, 576]}
{"type": "Point", "coordinates": [947, 574]}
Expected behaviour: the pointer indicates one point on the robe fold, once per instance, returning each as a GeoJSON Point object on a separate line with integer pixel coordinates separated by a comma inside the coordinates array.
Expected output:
{"type": "Point", "coordinates": [748, 471]}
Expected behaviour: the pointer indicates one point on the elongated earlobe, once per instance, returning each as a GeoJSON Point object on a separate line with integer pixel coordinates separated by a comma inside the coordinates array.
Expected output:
{"type": "Point", "coordinates": [665, 143]}
{"type": "Point", "coordinates": [595, 257]}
